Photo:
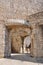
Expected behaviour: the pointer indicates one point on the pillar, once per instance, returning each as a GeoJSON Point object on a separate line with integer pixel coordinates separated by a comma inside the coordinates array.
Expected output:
{"type": "Point", "coordinates": [35, 40]}
{"type": "Point", "coordinates": [7, 44]}
{"type": "Point", "coordinates": [2, 40]}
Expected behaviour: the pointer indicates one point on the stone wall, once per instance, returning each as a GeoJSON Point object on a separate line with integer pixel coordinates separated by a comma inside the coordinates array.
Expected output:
{"type": "Point", "coordinates": [19, 8]}
{"type": "Point", "coordinates": [37, 44]}
{"type": "Point", "coordinates": [40, 41]}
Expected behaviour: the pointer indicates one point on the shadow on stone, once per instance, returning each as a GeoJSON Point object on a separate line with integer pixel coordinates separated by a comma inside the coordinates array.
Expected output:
{"type": "Point", "coordinates": [25, 57]}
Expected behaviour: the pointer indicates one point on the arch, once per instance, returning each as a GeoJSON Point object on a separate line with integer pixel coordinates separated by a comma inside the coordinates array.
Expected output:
{"type": "Point", "coordinates": [11, 33]}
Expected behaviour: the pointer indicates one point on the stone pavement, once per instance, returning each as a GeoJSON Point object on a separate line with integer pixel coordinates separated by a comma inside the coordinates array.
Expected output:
{"type": "Point", "coordinates": [21, 59]}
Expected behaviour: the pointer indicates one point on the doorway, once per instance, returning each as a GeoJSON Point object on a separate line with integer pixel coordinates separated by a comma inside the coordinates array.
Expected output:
{"type": "Point", "coordinates": [18, 35]}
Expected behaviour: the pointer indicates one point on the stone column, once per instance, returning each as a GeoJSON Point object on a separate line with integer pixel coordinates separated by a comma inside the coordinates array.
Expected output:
{"type": "Point", "coordinates": [24, 48]}
{"type": "Point", "coordinates": [34, 43]}
{"type": "Point", "coordinates": [7, 44]}
{"type": "Point", "coordinates": [2, 40]}
{"type": "Point", "coordinates": [21, 49]}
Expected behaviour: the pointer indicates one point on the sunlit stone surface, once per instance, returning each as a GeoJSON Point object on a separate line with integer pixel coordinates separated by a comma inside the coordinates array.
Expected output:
{"type": "Point", "coordinates": [26, 18]}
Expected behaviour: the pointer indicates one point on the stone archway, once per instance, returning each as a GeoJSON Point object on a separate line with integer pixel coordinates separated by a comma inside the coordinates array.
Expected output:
{"type": "Point", "coordinates": [18, 33]}
{"type": "Point", "coordinates": [37, 44]}
{"type": "Point", "coordinates": [7, 36]}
